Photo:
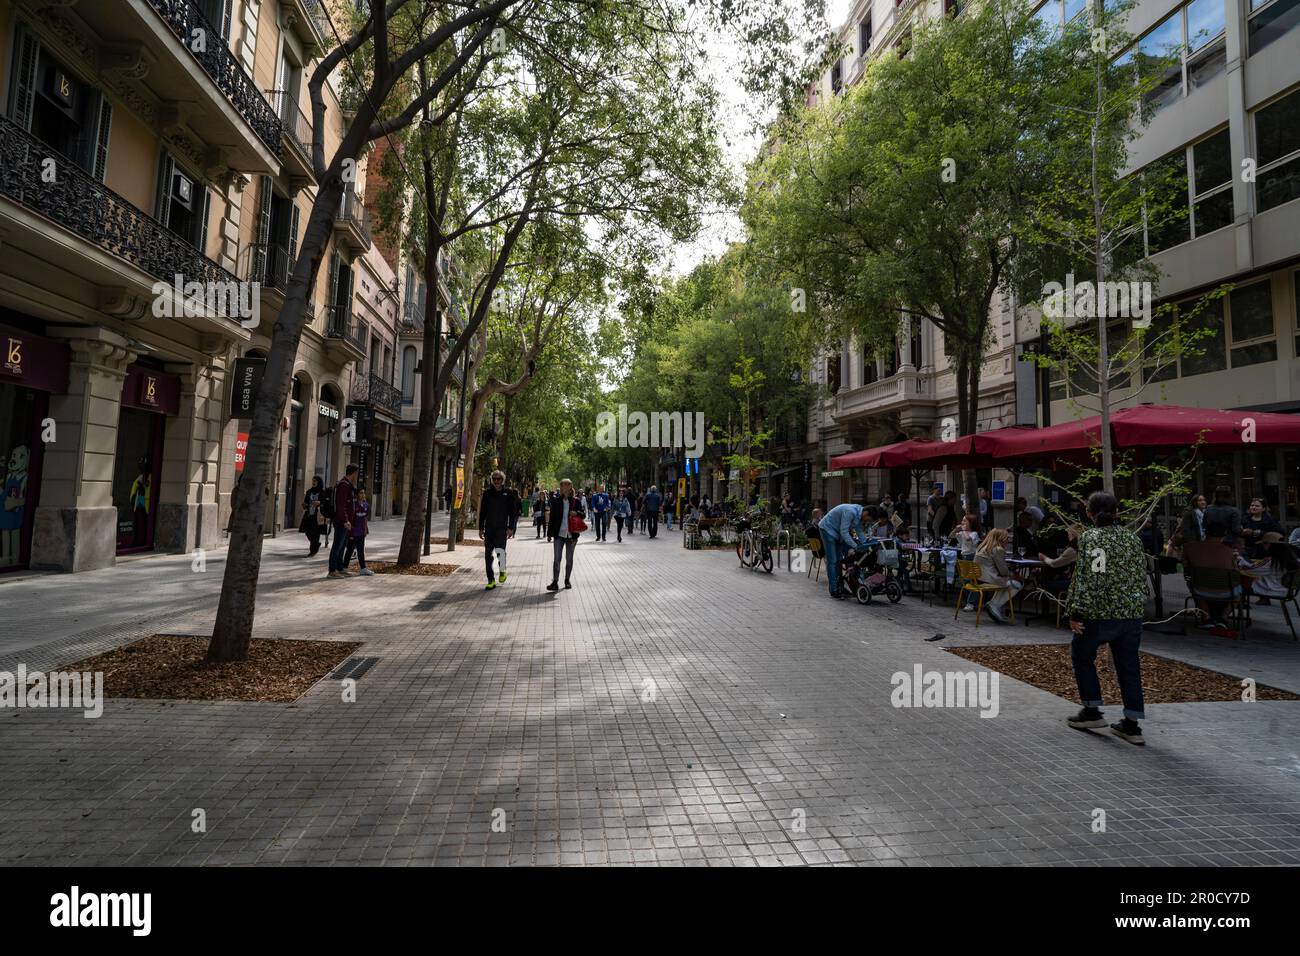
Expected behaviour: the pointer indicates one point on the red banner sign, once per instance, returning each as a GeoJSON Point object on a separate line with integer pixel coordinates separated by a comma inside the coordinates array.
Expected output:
{"type": "Point", "coordinates": [241, 450]}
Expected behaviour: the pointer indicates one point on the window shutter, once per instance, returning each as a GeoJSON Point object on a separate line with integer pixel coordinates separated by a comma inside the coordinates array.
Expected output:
{"type": "Point", "coordinates": [263, 229]}
{"type": "Point", "coordinates": [225, 19]}
{"type": "Point", "coordinates": [162, 204]}
{"type": "Point", "coordinates": [25, 79]}
{"type": "Point", "coordinates": [333, 290]}
{"type": "Point", "coordinates": [293, 236]}
{"type": "Point", "coordinates": [99, 165]}
{"type": "Point", "coordinates": [203, 229]}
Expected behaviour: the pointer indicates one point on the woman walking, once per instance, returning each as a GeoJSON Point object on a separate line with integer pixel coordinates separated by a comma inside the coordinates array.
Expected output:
{"type": "Point", "coordinates": [1105, 602]}
{"type": "Point", "coordinates": [563, 527]}
{"type": "Point", "coordinates": [622, 512]}
{"type": "Point", "coordinates": [313, 521]}
{"type": "Point", "coordinates": [539, 512]}
{"type": "Point", "coordinates": [357, 542]}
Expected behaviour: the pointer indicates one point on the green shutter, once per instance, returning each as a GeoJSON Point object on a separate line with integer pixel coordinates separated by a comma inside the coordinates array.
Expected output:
{"type": "Point", "coordinates": [293, 235]}
{"type": "Point", "coordinates": [99, 163]}
{"type": "Point", "coordinates": [203, 229]}
{"type": "Point", "coordinates": [24, 78]}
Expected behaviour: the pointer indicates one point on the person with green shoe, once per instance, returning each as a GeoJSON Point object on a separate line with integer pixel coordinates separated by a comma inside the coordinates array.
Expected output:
{"type": "Point", "coordinates": [498, 514]}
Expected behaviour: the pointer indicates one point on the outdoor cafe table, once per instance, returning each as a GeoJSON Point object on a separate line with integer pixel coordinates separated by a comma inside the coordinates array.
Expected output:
{"type": "Point", "coordinates": [920, 553]}
{"type": "Point", "coordinates": [1030, 567]}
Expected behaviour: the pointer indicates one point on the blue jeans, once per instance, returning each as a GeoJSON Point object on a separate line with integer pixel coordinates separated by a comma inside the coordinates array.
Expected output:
{"type": "Point", "coordinates": [831, 548]}
{"type": "Point", "coordinates": [1124, 637]}
{"type": "Point", "coordinates": [339, 546]}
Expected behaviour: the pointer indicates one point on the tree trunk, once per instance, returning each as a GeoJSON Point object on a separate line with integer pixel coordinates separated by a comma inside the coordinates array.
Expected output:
{"type": "Point", "coordinates": [477, 408]}
{"type": "Point", "coordinates": [976, 366]}
{"type": "Point", "coordinates": [233, 628]}
{"type": "Point", "coordinates": [1100, 254]}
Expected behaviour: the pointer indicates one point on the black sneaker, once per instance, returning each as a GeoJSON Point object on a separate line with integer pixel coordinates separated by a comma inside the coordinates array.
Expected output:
{"type": "Point", "coordinates": [1089, 718]}
{"type": "Point", "coordinates": [1128, 730]}
{"type": "Point", "coordinates": [553, 586]}
{"type": "Point", "coordinates": [568, 586]}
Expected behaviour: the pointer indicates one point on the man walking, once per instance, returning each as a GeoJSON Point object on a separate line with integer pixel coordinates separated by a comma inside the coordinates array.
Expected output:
{"type": "Point", "coordinates": [840, 531]}
{"type": "Point", "coordinates": [600, 511]}
{"type": "Point", "coordinates": [345, 502]}
{"type": "Point", "coordinates": [653, 502]}
{"type": "Point", "coordinates": [498, 515]}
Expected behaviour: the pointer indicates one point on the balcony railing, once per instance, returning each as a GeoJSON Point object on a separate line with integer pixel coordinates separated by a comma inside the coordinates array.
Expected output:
{"type": "Point", "coordinates": [352, 212]}
{"type": "Point", "coordinates": [295, 125]}
{"type": "Point", "coordinates": [379, 393]}
{"type": "Point", "coordinates": [342, 325]}
{"type": "Point", "coordinates": [185, 20]}
{"type": "Point", "coordinates": [87, 208]}
{"type": "Point", "coordinates": [268, 264]}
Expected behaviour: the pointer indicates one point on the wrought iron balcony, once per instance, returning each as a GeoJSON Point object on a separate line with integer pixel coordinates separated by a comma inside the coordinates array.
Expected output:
{"type": "Point", "coordinates": [87, 208]}
{"type": "Point", "coordinates": [378, 393]}
{"type": "Point", "coordinates": [185, 20]}
{"type": "Point", "coordinates": [307, 18]}
{"type": "Point", "coordinates": [296, 131]}
{"type": "Point", "coordinates": [345, 331]}
{"type": "Point", "coordinates": [267, 264]}
{"type": "Point", "coordinates": [352, 222]}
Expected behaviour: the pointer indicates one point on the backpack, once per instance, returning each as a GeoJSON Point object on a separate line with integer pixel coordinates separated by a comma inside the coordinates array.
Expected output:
{"type": "Point", "coordinates": [327, 506]}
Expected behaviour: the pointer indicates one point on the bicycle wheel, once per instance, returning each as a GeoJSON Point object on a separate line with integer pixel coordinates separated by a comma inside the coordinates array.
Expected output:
{"type": "Point", "coordinates": [746, 547]}
{"type": "Point", "coordinates": [767, 558]}
{"type": "Point", "coordinates": [893, 591]}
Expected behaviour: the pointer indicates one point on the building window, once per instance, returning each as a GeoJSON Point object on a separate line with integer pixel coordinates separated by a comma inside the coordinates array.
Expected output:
{"type": "Point", "coordinates": [1182, 53]}
{"type": "Point", "coordinates": [1212, 186]}
{"type": "Point", "coordinates": [833, 374]}
{"type": "Point", "coordinates": [1250, 314]}
{"type": "Point", "coordinates": [869, 372]}
{"type": "Point", "coordinates": [181, 202]}
{"type": "Point", "coordinates": [1277, 149]}
{"type": "Point", "coordinates": [408, 373]}
{"type": "Point", "coordinates": [837, 76]}
{"type": "Point", "coordinates": [1166, 215]}
{"type": "Point", "coordinates": [1268, 21]}
{"type": "Point", "coordinates": [864, 36]}
{"type": "Point", "coordinates": [1213, 357]}
{"type": "Point", "coordinates": [1206, 50]}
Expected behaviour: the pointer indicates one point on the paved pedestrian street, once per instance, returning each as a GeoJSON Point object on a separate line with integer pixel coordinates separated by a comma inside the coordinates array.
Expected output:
{"type": "Point", "coordinates": [671, 709]}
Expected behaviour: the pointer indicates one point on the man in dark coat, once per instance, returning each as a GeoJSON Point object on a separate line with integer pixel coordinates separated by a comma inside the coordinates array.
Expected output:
{"type": "Point", "coordinates": [498, 516]}
{"type": "Point", "coordinates": [345, 498]}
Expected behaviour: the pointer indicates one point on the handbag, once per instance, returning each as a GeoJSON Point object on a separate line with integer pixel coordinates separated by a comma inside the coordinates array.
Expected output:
{"type": "Point", "coordinates": [576, 524]}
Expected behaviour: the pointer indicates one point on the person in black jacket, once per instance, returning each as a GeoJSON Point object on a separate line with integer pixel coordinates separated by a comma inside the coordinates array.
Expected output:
{"type": "Point", "coordinates": [564, 505]}
{"type": "Point", "coordinates": [498, 515]}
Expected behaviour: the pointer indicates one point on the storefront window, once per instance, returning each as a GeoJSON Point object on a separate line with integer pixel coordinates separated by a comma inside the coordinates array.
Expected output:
{"type": "Point", "coordinates": [135, 478]}
{"type": "Point", "coordinates": [19, 446]}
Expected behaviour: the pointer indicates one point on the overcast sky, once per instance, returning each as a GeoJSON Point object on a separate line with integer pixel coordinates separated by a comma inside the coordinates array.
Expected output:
{"type": "Point", "coordinates": [740, 144]}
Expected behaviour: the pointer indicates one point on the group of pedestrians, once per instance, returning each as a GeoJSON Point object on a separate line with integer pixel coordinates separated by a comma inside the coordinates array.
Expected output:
{"type": "Point", "coordinates": [347, 509]}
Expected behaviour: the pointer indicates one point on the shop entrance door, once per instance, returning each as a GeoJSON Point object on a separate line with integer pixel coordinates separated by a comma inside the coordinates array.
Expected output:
{"type": "Point", "coordinates": [137, 470]}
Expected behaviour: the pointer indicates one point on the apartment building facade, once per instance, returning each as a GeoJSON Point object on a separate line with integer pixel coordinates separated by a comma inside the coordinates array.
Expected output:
{"type": "Point", "coordinates": [910, 391]}
{"type": "Point", "coordinates": [148, 144]}
{"type": "Point", "coordinates": [1226, 123]}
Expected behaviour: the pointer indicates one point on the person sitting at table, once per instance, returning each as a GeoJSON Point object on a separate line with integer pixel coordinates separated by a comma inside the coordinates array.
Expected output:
{"type": "Point", "coordinates": [992, 559]}
{"type": "Point", "coordinates": [1024, 540]}
{"type": "Point", "coordinates": [877, 523]}
{"type": "Point", "coordinates": [1212, 552]}
{"type": "Point", "coordinates": [945, 516]}
{"type": "Point", "coordinates": [1152, 538]}
{"type": "Point", "coordinates": [1265, 578]}
{"type": "Point", "coordinates": [967, 537]}
{"type": "Point", "coordinates": [1192, 526]}
{"type": "Point", "coordinates": [1258, 522]}
{"type": "Point", "coordinates": [1056, 577]}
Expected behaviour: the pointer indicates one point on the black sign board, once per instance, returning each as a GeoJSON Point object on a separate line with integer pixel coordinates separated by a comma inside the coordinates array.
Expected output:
{"type": "Point", "coordinates": [244, 386]}
{"type": "Point", "coordinates": [363, 418]}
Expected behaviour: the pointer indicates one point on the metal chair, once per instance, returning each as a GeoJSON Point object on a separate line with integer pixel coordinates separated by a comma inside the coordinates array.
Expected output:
{"type": "Point", "coordinates": [1223, 586]}
{"type": "Point", "coordinates": [968, 572]}
{"type": "Point", "coordinates": [815, 549]}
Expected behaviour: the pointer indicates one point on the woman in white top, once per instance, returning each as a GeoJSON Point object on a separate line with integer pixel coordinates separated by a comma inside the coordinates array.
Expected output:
{"type": "Point", "coordinates": [992, 559]}
{"type": "Point", "coordinates": [967, 538]}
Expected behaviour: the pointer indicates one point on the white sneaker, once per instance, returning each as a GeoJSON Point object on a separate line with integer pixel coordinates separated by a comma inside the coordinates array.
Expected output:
{"type": "Point", "coordinates": [996, 615]}
{"type": "Point", "coordinates": [366, 572]}
{"type": "Point", "coordinates": [968, 607]}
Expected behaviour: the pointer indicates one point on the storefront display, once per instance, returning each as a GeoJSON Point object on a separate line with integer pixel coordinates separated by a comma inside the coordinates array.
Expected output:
{"type": "Point", "coordinates": [32, 368]}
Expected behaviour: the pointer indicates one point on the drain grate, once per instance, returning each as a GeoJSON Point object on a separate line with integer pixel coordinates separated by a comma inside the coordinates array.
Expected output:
{"type": "Point", "coordinates": [353, 668]}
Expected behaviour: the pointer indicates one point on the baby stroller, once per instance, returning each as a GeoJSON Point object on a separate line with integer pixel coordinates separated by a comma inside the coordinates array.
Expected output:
{"type": "Point", "coordinates": [867, 573]}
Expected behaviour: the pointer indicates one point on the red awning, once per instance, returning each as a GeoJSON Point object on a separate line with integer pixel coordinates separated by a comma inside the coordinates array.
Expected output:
{"type": "Point", "coordinates": [897, 455]}
{"type": "Point", "coordinates": [1224, 429]}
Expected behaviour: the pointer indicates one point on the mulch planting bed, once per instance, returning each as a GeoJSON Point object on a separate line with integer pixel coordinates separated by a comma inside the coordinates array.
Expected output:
{"type": "Point", "coordinates": [171, 667]}
{"type": "Point", "coordinates": [1047, 666]}
{"type": "Point", "coordinates": [420, 570]}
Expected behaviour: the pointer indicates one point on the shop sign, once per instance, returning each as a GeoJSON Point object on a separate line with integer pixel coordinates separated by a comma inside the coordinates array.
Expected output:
{"type": "Point", "coordinates": [327, 411]}
{"type": "Point", "coordinates": [248, 380]}
{"type": "Point", "coordinates": [838, 473]}
{"type": "Point", "coordinates": [151, 390]}
{"type": "Point", "coordinates": [33, 361]}
{"type": "Point", "coordinates": [241, 450]}
{"type": "Point", "coordinates": [363, 419]}
{"type": "Point", "coordinates": [460, 487]}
